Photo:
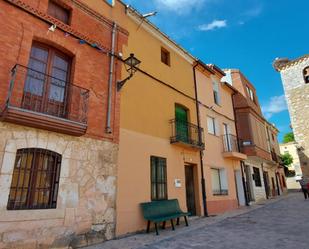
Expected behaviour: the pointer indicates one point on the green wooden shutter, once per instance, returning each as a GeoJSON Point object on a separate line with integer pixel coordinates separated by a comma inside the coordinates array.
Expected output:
{"type": "Point", "coordinates": [182, 131]}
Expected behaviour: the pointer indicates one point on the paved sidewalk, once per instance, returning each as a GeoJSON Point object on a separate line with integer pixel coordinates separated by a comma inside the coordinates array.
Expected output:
{"type": "Point", "coordinates": [278, 223]}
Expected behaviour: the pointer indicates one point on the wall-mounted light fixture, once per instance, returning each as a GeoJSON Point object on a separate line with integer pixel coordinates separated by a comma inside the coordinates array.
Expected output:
{"type": "Point", "coordinates": [131, 64]}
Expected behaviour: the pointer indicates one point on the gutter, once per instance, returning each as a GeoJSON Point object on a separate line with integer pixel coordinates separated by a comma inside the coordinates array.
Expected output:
{"type": "Point", "coordinates": [110, 82]}
{"type": "Point", "coordinates": [200, 140]}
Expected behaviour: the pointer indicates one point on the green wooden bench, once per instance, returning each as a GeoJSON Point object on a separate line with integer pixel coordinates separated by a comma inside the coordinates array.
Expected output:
{"type": "Point", "coordinates": [162, 211]}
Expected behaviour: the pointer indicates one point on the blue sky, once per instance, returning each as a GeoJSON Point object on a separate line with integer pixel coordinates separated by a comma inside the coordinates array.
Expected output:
{"type": "Point", "coordinates": [244, 34]}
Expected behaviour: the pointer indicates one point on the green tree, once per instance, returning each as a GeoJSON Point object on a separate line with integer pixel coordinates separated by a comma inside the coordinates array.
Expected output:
{"type": "Point", "coordinates": [286, 159]}
{"type": "Point", "coordinates": [288, 137]}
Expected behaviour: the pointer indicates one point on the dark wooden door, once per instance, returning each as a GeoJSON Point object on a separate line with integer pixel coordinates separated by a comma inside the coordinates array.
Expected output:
{"type": "Point", "coordinates": [266, 184]}
{"type": "Point", "coordinates": [47, 80]}
{"type": "Point", "coordinates": [190, 193]}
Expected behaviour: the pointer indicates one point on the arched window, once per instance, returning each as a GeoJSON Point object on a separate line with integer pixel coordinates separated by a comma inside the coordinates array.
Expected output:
{"type": "Point", "coordinates": [306, 75]}
{"type": "Point", "coordinates": [35, 179]}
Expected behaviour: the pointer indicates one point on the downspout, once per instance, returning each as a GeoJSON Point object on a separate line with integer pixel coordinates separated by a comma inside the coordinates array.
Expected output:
{"type": "Point", "coordinates": [200, 141]}
{"type": "Point", "coordinates": [241, 162]}
{"type": "Point", "coordinates": [110, 81]}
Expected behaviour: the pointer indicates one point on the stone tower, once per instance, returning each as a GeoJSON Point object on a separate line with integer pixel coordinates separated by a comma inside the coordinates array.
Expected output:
{"type": "Point", "coordinates": [295, 78]}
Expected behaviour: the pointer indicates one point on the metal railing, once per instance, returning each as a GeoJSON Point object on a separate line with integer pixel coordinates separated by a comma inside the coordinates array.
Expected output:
{"type": "Point", "coordinates": [37, 92]}
{"type": "Point", "coordinates": [187, 133]}
{"type": "Point", "coordinates": [230, 143]}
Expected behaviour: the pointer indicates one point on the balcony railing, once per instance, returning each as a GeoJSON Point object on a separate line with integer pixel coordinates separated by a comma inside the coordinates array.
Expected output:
{"type": "Point", "coordinates": [230, 143]}
{"type": "Point", "coordinates": [39, 94]}
{"type": "Point", "coordinates": [187, 134]}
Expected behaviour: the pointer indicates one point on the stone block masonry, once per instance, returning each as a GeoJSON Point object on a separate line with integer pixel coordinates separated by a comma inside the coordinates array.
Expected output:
{"type": "Point", "coordinates": [297, 95]}
{"type": "Point", "coordinates": [85, 212]}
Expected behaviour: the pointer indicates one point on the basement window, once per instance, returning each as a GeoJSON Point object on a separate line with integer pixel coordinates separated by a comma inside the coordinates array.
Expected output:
{"type": "Point", "coordinates": [165, 57]}
{"type": "Point", "coordinates": [59, 12]}
{"type": "Point", "coordinates": [35, 180]}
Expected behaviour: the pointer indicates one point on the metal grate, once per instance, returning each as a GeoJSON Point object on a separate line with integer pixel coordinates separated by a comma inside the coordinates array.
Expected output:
{"type": "Point", "coordinates": [158, 178]}
{"type": "Point", "coordinates": [35, 180]}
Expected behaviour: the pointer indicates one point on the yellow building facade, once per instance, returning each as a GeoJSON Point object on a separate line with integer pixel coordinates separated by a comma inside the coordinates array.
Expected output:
{"type": "Point", "coordinates": [159, 127]}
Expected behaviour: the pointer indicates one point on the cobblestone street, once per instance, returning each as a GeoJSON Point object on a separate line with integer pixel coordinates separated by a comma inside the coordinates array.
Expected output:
{"type": "Point", "coordinates": [280, 224]}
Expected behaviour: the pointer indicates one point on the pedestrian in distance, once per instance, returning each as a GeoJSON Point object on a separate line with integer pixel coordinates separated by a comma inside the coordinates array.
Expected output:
{"type": "Point", "coordinates": [304, 187]}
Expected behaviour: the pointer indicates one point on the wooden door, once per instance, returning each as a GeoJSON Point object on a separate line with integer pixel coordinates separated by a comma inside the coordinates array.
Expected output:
{"type": "Point", "coordinates": [35, 84]}
{"type": "Point", "coordinates": [182, 131]}
{"type": "Point", "coordinates": [47, 77]}
{"type": "Point", "coordinates": [190, 191]}
{"type": "Point", "coordinates": [266, 184]}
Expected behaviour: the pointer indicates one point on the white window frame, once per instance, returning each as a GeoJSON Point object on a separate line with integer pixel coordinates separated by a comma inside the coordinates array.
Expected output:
{"type": "Point", "coordinates": [222, 180]}
{"type": "Point", "coordinates": [212, 126]}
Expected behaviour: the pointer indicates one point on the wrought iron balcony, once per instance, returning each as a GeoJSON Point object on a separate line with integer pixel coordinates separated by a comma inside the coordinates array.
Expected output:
{"type": "Point", "coordinates": [187, 134]}
{"type": "Point", "coordinates": [43, 101]}
{"type": "Point", "coordinates": [231, 148]}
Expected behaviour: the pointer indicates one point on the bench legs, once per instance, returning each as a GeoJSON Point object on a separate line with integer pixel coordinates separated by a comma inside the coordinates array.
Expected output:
{"type": "Point", "coordinates": [164, 223]}
{"type": "Point", "coordinates": [177, 221]}
{"type": "Point", "coordinates": [156, 226]}
{"type": "Point", "coordinates": [148, 226]}
{"type": "Point", "coordinates": [172, 223]}
{"type": "Point", "coordinates": [186, 220]}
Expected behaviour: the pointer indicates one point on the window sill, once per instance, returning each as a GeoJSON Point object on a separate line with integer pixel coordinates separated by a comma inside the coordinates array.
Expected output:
{"type": "Point", "coordinates": [28, 215]}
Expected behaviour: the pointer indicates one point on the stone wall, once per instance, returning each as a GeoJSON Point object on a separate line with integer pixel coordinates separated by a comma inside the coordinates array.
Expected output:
{"type": "Point", "coordinates": [297, 95]}
{"type": "Point", "coordinates": [85, 212]}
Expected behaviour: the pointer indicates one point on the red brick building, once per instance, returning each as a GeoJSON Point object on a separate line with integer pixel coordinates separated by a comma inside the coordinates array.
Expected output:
{"type": "Point", "coordinates": [59, 127]}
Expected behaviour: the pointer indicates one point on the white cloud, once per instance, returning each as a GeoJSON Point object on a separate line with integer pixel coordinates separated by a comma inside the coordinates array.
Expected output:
{"type": "Point", "coordinates": [215, 24]}
{"type": "Point", "coordinates": [179, 6]}
{"type": "Point", "coordinates": [275, 105]}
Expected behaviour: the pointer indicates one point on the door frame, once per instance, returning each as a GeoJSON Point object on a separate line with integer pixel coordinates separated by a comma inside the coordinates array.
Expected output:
{"type": "Point", "coordinates": [195, 187]}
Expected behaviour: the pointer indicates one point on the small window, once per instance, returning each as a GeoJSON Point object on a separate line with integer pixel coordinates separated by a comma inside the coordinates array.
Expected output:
{"type": "Point", "coordinates": [212, 125]}
{"type": "Point", "coordinates": [165, 57]}
{"type": "Point", "coordinates": [59, 12]}
{"type": "Point", "coordinates": [250, 93]}
{"type": "Point", "coordinates": [306, 75]}
{"type": "Point", "coordinates": [35, 180]}
{"type": "Point", "coordinates": [216, 92]}
{"type": "Point", "coordinates": [257, 177]}
{"type": "Point", "coordinates": [158, 178]}
{"type": "Point", "coordinates": [219, 182]}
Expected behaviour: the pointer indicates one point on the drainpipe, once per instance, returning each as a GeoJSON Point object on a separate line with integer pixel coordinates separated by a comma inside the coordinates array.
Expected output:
{"type": "Point", "coordinates": [200, 141]}
{"type": "Point", "coordinates": [241, 162]}
{"type": "Point", "coordinates": [110, 82]}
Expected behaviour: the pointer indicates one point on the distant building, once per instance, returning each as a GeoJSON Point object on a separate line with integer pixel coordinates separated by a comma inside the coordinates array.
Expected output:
{"type": "Point", "coordinates": [291, 148]}
{"type": "Point", "coordinates": [295, 78]}
{"type": "Point", "coordinates": [264, 178]}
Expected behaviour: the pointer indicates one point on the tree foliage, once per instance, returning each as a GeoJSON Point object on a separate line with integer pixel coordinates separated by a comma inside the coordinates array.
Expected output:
{"type": "Point", "coordinates": [288, 137]}
{"type": "Point", "coordinates": [286, 159]}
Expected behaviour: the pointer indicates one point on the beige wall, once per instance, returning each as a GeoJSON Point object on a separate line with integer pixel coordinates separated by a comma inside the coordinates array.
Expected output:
{"type": "Point", "coordinates": [213, 157]}
{"type": "Point", "coordinates": [134, 176]}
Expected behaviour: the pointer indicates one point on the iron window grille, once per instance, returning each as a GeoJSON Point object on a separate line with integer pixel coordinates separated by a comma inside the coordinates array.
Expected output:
{"type": "Point", "coordinates": [158, 178]}
{"type": "Point", "coordinates": [35, 180]}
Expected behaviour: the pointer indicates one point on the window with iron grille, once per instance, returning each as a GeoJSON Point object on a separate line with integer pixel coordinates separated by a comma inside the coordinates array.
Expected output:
{"type": "Point", "coordinates": [257, 177]}
{"type": "Point", "coordinates": [158, 178]}
{"type": "Point", "coordinates": [35, 180]}
{"type": "Point", "coordinates": [219, 182]}
{"type": "Point", "coordinates": [58, 11]}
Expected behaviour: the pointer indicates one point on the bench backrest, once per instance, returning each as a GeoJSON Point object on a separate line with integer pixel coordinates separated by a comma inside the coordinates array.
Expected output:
{"type": "Point", "coordinates": [160, 208]}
